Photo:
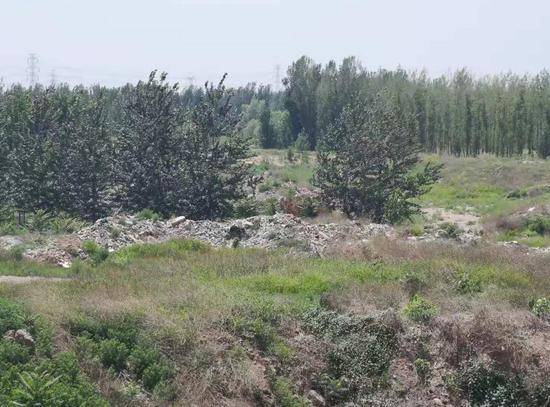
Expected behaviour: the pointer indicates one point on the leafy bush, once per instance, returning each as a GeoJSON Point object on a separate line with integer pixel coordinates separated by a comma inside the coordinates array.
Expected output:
{"type": "Point", "coordinates": [120, 344]}
{"type": "Point", "coordinates": [284, 395]}
{"type": "Point", "coordinates": [39, 220]}
{"type": "Point", "coordinates": [361, 355]}
{"type": "Point", "coordinates": [148, 214]}
{"type": "Point", "coordinates": [52, 382]}
{"type": "Point", "coordinates": [517, 193]}
{"type": "Point", "coordinates": [245, 208]}
{"type": "Point", "coordinates": [299, 205]}
{"type": "Point", "coordinates": [96, 253]}
{"type": "Point", "coordinates": [423, 369]}
{"type": "Point", "coordinates": [420, 309]}
{"type": "Point", "coordinates": [538, 224]}
{"type": "Point", "coordinates": [487, 387]}
{"type": "Point", "coordinates": [12, 316]}
{"type": "Point", "coordinates": [113, 353]}
{"type": "Point", "coordinates": [31, 377]}
{"type": "Point", "coordinates": [12, 353]}
{"type": "Point", "coordinates": [140, 358]}
{"type": "Point", "coordinates": [335, 390]}
{"type": "Point", "coordinates": [414, 281]}
{"type": "Point", "coordinates": [541, 307]}
{"type": "Point", "coordinates": [16, 252]}
{"type": "Point", "coordinates": [466, 282]}
{"type": "Point", "coordinates": [362, 348]}
{"type": "Point", "coordinates": [451, 230]}
{"type": "Point", "coordinates": [65, 224]}
{"type": "Point", "coordinates": [270, 206]}
{"type": "Point", "coordinates": [156, 373]}
{"type": "Point", "coordinates": [416, 229]}
{"type": "Point", "coordinates": [308, 207]}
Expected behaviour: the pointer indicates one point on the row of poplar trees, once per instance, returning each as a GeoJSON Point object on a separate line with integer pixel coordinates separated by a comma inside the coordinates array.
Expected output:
{"type": "Point", "coordinates": [458, 114]}
{"type": "Point", "coordinates": [87, 151]}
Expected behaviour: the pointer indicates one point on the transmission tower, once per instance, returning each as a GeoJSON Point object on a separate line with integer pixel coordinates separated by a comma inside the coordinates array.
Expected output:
{"type": "Point", "coordinates": [53, 77]}
{"type": "Point", "coordinates": [277, 84]}
{"type": "Point", "coordinates": [190, 80]}
{"type": "Point", "coordinates": [32, 69]}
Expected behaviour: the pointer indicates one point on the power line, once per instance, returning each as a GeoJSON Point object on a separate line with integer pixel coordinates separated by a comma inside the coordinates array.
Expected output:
{"type": "Point", "coordinates": [32, 69]}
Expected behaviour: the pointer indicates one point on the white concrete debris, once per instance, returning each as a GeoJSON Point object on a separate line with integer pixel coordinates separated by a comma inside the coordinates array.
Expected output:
{"type": "Point", "coordinates": [280, 230]}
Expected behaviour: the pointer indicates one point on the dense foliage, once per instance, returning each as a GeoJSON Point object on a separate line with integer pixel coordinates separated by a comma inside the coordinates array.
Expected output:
{"type": "Point", "coordinates": [32, 376]}
{"type": "Point", "coordinates": [84, 151]}
{"type": "Point", "coordinates": [366, 161]}
{"type": "Point", "coordinates": [458, 114]}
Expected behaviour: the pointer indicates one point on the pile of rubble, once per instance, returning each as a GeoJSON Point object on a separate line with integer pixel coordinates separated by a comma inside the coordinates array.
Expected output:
{"type": "Point", "coordinates": [280, 230]}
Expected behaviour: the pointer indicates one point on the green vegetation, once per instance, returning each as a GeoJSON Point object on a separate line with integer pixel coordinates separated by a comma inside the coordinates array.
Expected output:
{"type": "Point", "coordinates": [541, 307]}
{"type": "Point", "coordinates": [96, 253]}
{"type": "Point", "coordinates": [484, 184]}
{"type": "Point", "coordinates": [366, 162]}
{"type": "Point", "coordinates": [148, 214]}
{"type": "Point", "coordinates": [31, 375]}
{"type": "Point", "coordinates": [145, 316]}
{"type": "Point", "coordinates": [38, 221]}
{"type": "Point", "coordinates": [420, 309]}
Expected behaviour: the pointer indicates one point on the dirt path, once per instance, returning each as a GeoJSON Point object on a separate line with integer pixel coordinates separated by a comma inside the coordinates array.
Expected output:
{"type": "Point", "coordinates": [30, 279]}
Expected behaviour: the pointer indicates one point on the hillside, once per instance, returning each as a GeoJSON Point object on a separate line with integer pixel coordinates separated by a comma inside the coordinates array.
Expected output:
{"type": "Point", "coordinates": [451, 308]}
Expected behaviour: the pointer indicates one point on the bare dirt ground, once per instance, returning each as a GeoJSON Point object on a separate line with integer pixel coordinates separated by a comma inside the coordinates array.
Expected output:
{"type": "Point", "coordinates": [465, 221]}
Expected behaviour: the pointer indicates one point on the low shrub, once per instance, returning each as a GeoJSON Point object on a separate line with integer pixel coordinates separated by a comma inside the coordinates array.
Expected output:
{"type": "Point", "coordinates": [420, 309]}
{"type": "Point", "coordinates": [270, 206]}
{"type": "Point", "coordinates": [423, 369]}
{"type": "Point", "coordinates": [12, 316]}
{"type": "Point", "coordinates": [485, 386]}
{"type": "Point", "coordinates": [466, 282]}
{"type": "Point", "coordinates": [245, 208]}
{"type": "Point", "coordinates": [361, 351]}
{"type": "Point", "coordinates": [538, 224]}
{"type": "Point", "coordinates": [451, 230]}
{"type": "Point", "coordinates": [16, 252]}
{"type": "Point", "coordinates": [119, 343]}
{"type": "Point", "coordinates": [414, 281]}
{"type": "Point", "coordinates": [96, 253]}
{"type": "Point", "coordinates": [284, 394]}
{"type": "Point", "coordinates": [148, 214]}
{"type": "Point", "coordinates": [51, 382]}
{"type": "Point", "coordinates": [416, 229]}
{"type": "Point", "coordinates": [541, 307]}
{"type": "Point", "coordinates": [63, 223]}
{"type": "Point", "coordinates": [12, 353]}
{"type": "Point", "coordinates": [113, 353]}
{"type": "Point", "coordinates": [156, 373]}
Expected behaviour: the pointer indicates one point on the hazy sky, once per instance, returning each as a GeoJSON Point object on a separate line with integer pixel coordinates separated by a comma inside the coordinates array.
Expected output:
{"type": "Point", "coordinates": [115, 41]}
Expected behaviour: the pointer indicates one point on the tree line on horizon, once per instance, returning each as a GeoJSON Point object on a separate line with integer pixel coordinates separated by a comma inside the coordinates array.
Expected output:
{"type": "Point", "coordinates": [152, 145]}
{"type": "Point", "coordinates": [461, 115]}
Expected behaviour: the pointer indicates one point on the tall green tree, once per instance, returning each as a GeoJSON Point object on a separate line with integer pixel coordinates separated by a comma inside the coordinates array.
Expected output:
{"type": "Point", "coordinates": [301, 83]}
{"type": "Point", "coordinates": [369, 170]}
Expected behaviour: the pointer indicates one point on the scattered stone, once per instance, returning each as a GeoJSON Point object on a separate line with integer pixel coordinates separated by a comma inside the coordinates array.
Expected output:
{"type": "Point", "coordinates": [21, 337]}
{"type": "Point", "coordinates": [316, 398]}
{"type": "Point", "coordinates": [280, 230]}
{"type": "Point", "coordinates": [172, 223]}
{"type": "Point", "coordinates": [9, 242]}
{"type": "Point", "coordinates": [437, 402]}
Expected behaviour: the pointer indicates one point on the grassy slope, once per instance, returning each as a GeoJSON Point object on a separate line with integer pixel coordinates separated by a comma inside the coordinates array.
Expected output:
{"type": "Point", "coordinates": [190, 294]}
{"type": "Point", "coordinates": [483, 184]}
{"type": "Point", "coordinates": [223, 315]}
